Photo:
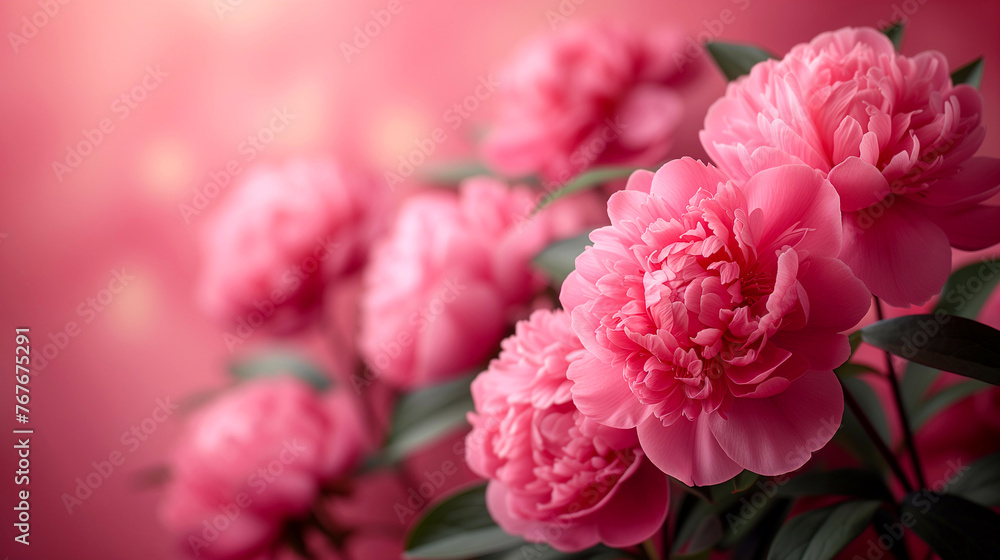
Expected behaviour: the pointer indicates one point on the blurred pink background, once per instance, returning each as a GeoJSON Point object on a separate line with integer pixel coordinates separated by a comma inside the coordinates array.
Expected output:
{"type": "Point", "coordinates": [213, 78]}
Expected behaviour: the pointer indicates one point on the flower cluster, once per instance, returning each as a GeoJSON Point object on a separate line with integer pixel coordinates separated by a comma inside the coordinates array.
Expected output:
{"type": "Point", "coordinates": [696, 338]}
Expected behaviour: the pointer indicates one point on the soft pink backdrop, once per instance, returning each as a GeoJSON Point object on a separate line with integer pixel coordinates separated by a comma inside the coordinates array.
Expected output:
{"type": "Point", "coordinates": [62, 240]}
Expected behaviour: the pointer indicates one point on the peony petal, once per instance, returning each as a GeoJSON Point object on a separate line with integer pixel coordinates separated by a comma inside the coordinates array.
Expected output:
{"type": "Point", "coordinates": [976, 180]}
{"type": "Point", "coordinates": [839, 299]}
{"type": "Point", "coordinates": [777, 435]}
{"type": "Point", "coordinates": [968, 228]}
{"type": "Point", "coordinates": [601, 392]}
{"type": "Point", "coordinates": [794, 197]}
{"type": "Point", "coordinates": [640, 180]}
{"type": "Point", "coordinates": [678, 181]}
{"type": "Point", "coordinates": [687, 451]}
{"type": "Point", "coordinates": [859, 184]}
{"type": "Point", "coordinates": [901, 256]}
{"type": "Point", "coordinates": [638, 508]}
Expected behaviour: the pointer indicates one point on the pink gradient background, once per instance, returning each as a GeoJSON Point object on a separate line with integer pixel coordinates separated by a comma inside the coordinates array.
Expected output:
{"type": "Point", "coordinates": [120, 206]}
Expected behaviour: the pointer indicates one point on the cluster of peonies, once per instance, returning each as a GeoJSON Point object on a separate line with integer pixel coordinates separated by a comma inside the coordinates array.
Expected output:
{"type": "Point", "coordinates": [698, 333]}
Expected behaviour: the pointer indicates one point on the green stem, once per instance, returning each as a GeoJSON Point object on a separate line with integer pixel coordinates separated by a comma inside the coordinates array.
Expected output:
{"type": "Point", "coordinates": [897, 395]}
{"type": "Point", "coordinates": [869, 429]}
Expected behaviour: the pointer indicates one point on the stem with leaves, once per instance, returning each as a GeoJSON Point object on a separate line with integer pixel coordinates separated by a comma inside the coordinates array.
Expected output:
{"type": "Point", "coordinates": [897, 395]}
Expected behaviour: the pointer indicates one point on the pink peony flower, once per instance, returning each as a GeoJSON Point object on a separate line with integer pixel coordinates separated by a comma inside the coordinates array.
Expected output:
{"type": "Point", "coordinates": [712, 315]}
{"type": "Point", "coordinates": [557, 476]}
{"type": "Point", "coordinates": [893, 135]}
{"type": "Point", "coordinates": [454, 274]}
{"type": "Point", "coordinates": [253, 459]}
{"type": "Point", "coordinates": [282, 237]}
{"type": "Point", "coordinates": [588, 95]}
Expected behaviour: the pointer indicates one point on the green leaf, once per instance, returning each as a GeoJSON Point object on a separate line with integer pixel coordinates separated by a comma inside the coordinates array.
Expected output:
{"type": "Point", "coordinates": [945, 397]}
{"type": "Point", "coordinates": [458, 527]}
{"type": "Point", "coordinates": [275, 364]}
{"type": "Point", "coordinates": [559, 259]}
{"type": "Point", "coordinates": [967, 289]}
{"type": "Point", "coordinates": [970, 74]}
{"type": "Point", "coordinates": [453, 173]}
{"type": "Point", "coordinates": [820, 534]}
{"type": "Point", "coordinates": [542, 551]}
{"type": "Point", "coordinates": [855, 340]}
{"type": "Point", "coordinates": [736, 60]}
{"type": "Point", "coordinates": [722, 493]}
{"type": "Point", "coordinates": [917, 380]}
{"type": "Point", "coordinates": [895, 34]}
{"type": "Point", "coordinates": [955, 528]}
{"type": "Point", "coordinates": [596, 177]}
{"type": "Point", "coordinates": [946, 342]}
{"type": "Point", "coordinates": [707, 533]}
{"type": "Point", "coordinates": [850, 369]}
{"type": "Point", "coordinates": [423, 416]}
{"type": "Point", "coordinates": [856, 483]}
{"type": "Point", "coordinates": [979, 482]}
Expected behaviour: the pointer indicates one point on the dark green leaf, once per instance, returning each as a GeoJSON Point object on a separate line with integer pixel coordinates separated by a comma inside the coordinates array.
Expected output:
{"type": "Point", "coordinates": [541, 551]}
{"type": "Point", "coordinates": [820, 534]}
{"type": "Point", "coordinates": [967, 289]}
{"type": "Point", "coordinates": [423, 416]}
{"type": "Point", "coordinates": [888, 526]}
{"type": "Point", "coordinates": [850, 369]}
{"type": "Point", "coordinates": [945, 397]}
{"type": "Point", "coordinates": [979, 482]}
{"type": "Point", "coordinates": [277, 364]}
{"type": "Point", "coordinates": [946, 342]}
{"type": "Point", "coordinates": [855, 340]}
{"type": "Point", "coordinates": [895, 34]}
{"type": "Point", "coordinates": [970, 74]}
{"type": "Point", "coordinates": [736, 60]}
{"type": "Point", "coordinates": [706, 535]}
{"type": "Point", "coordinates": [559, 259]}
{"type": "Point", "coordinates": [458, 527]}
{"type": "Point", "coordinates": [591, 179]}
{"type": "Point", "coordinates": [917, 380]}
{"type": "Point", "coordinates": [453, 173]}
{"type": "Point", "coordinates": [955, 528]}
{"type": "Point", "coordinates": [722, 493]}
{"type": "Point", "coordinates": [855, 483]}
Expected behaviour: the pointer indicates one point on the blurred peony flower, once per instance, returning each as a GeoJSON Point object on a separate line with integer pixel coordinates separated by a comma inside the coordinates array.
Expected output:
{"type": "Point", "coordinates": [555, 475]}
{"type": "Point", "coordinates": [712, 315]}
{"type": "Point", "coordinates": [589, 95]}
{"type": "Point", "coordinates": [893, 135]}
{"type": "Point", "coordinates": [454, 274]}
{"type": "Point", "coordinates": [282, 237]}
{"type": "Point", "coordinates": [254, 459]}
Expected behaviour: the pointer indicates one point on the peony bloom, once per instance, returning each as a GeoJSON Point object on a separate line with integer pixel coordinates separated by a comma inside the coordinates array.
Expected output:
{"type": "Point", "coordinates": [555, 475]}
{"type": "Point", "coordinates": [588, 95]}
{"type": "Point", "coordinates": [454, 274]}
{"type": "Point", "coordinates": [282, 237]}
{"type": "Point", "coordinates": [254, 459]}
{"type": "Point", "coordinates": [893, 135]}
{"type": "Point", "coordinates": [712, 314]}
